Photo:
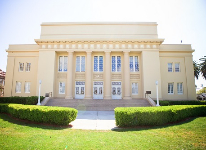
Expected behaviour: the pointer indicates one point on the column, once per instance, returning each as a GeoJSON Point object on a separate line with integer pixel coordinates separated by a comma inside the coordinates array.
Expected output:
{"type": "Point", "coordinates": [69, 93]}
{"type": "Point", "coordinates": [88, 79]}
{"type": "Point", "coordinates": [126, 76]}
{"type": "Point", "coordinates": [107, 79]}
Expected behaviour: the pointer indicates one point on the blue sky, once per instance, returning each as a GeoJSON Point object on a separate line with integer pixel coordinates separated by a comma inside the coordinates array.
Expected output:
{"type": "Point", "coordinates": [177, 19]}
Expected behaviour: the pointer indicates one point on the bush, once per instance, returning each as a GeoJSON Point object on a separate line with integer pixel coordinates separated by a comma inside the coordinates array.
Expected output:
{"type": "Point", "coordinates": [21, 100]}
{"type": "Point", "coordinates": [43, 114]}
{"type": "Point", "coordinates": [167, 103]}
{"type": "Point", "coordinates": [137, 116]}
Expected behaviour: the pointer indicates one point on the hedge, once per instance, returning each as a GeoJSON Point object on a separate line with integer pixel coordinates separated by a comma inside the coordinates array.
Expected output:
{"type": "Point", "coordinates": [21, 100]}
{"type": "Point", "coordinates": [138, 116]}
{"type": "Point", "coordinates": [167, 102]}
{"type": "Point", "coordinates": [43, 114]}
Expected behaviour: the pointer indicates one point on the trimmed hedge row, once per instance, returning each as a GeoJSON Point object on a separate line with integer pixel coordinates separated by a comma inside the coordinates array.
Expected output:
{"type": "Point", "coordinates": [167, 103]}
{"type": "Point", "coordinates": [43, 114]}
{"type": "Point", "coordinates": [137, 116]}
{"type": "Point", "coordinates": [21, 100]}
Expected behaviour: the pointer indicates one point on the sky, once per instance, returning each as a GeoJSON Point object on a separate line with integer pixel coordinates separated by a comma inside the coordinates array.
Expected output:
{"type": "Point", "coordinates": [177, 19]}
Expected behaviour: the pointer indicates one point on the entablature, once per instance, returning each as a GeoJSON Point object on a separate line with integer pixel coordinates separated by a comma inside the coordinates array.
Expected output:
{"type": "Point", "coordinates": [64, 44]}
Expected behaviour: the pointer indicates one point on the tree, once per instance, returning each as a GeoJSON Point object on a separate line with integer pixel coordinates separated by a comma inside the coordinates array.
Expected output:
{"type": "Point", "coordinates": [203, 67]}
{"type": "Point", "coordinates": [196, 69]}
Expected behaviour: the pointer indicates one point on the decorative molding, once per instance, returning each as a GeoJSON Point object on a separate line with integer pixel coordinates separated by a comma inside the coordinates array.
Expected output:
{"type": "Point", "coordinates": [62, 75]}
{"type": "Point", "coordinates": [116, 76]}
{"type": "Point", "coordinates": [100, 44]}
{"type": "Point", "coordinates": [97, 76]}
{"type": "Point", "coordinates": [134, 76]}
{"type": "Point", "coordinates": [80, 76]}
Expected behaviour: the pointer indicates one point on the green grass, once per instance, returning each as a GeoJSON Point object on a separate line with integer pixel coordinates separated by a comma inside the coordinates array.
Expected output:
{"type": "Point", "coordinates": [14, 134]}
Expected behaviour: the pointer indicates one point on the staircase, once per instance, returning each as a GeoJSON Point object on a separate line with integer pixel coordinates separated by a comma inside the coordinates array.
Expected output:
{"type": "Point", "coordinates": [97, 105]}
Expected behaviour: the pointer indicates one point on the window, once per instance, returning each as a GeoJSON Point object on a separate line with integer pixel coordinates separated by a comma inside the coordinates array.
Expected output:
{"type": "Point", "coordinates": [179, 88]}
{"type": "Point", "coordinates": [98, 63]}
{"type": "Point", "coordinates": [18, 87]}
{"type": "Point", "coordinates": [27, 87]}
{"type": "Point", "coordinates": [63, 63]}
{"type": "Point", "coordinates": [170, 67]}
{"type": "Point", "coordinates": [28, 66]}
{"type": "Point", "coordinates": [61, 88]}
{"type": "Point", "coordinates": [177, 67]}
{"type": "Point", "coordinates": [134, 66]}
{"type": "Point", "coordinates": [21, 66]}
{"type": "Point", "coordinates": [170, 88]}
{"type": "Point", "coordinates": [116, 63]}
{"type": "Point", "coordinates": [80, 64]}
{"type": "Point", "coordinates": [134, 88]}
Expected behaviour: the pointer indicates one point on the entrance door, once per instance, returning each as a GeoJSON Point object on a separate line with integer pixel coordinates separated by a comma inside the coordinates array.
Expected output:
{"type": "Point", "coordinates": [79, 89]}
{"type": "Point", "coordinates": [98, 90]}
{"type": "Point", "coordinates": [116, 90]}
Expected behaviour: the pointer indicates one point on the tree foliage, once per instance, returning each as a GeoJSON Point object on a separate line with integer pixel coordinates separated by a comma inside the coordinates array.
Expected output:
{"type": "Point", "coordinates": [196, 69]}
{"type": "Point", "coordinates": [203, 67]}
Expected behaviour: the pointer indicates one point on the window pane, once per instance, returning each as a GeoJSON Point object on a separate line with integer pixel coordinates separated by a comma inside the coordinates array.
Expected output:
{"type": "Point", "coordinates": [95, 63]}
{"type": "Point", "coordinates": [118, 63]}
{"type": "Point", "coordinates": [83, 64]}
{"type": "Point", "coordinates": [136, 64]}
{"type": "Point", "coordinates": [61, 88]}
{"type": "Point", "coordinates": [177, 67]}
{"type": "Point", "coordinates": [131, 63]}
{"type": "Point", "coordinates": [134, 88]}
{"type": "Point", "coordinates": [27, 87]}
{"type": "Point", "coordinates": [78, 64]}
{"type": "Point", "coordinates": [179, 88]}
{"type": "Point", "coordinates": [169, 67]}
{"type": "Point", "coordinates": [60, 63]}
{"type": "Point", "coordinates": [113, 64]}
{"type": "Point", "coordinates": [28, 66]}
{"type": "Point", "coordinates": [100, 63]}
{"type": "Point", "coordinates": [21, 66]}
{"type": "Point", "coordinates": [65, 63]}
{"type": "Point", "coordinates": [18, 87]}
{"type": "Point", "coordinates": [170, 88]}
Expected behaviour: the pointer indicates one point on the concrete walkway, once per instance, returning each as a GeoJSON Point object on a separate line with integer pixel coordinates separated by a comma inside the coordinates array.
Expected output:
{"type": "Point", "coordinates": [95, 114]}
{"type": "Point", "coordinates": [94, 120]}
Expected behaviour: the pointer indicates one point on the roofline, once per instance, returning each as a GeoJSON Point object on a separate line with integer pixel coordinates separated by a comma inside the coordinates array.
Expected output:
{"type": "Point", "coordinates": [96, 23]}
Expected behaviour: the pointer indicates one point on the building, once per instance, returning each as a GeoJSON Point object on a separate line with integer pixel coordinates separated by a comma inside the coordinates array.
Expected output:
{"type": "Point", "coordinates": [2, 82]}
{"type": "Point", "coordinates": [101, 61]}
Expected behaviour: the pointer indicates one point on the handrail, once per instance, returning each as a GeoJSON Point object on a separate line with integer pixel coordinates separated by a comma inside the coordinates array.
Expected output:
{"type": "Point", "coordinates": [151, 101]}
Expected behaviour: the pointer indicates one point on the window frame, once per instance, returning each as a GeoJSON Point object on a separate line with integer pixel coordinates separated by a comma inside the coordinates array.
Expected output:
{"type": "Point", "coordinates": [171, 91]}
{"type": "Point", "coordinates": [26, 67]}
{"type": "Point", "coordinates": [116, 69]}
{"type": "Point", "coordinates": [80, 67]}
{"type": "Point", "coordinates": [61, 87]}
{"type": "Point", "coordinates": [29, 85]}
{"type": "Point", "coordinates": [63, 63]}
{"type": "Point", "coordinates": [135, 88]}
{"type": "Point", "coordinates": [19, 86]}
{"type": "Point", "coordinates": [178, 66]}
{"type": "Point", "coordinates": [133, 63]}
{"type": "Point", "coordinates": [169, 69]}
{"type": "Point", "coordinates": [178, 88]}
{"type": "Point", "coordinates": [98, 64]}
{"type": "Point", "coordinates": [21, 67]}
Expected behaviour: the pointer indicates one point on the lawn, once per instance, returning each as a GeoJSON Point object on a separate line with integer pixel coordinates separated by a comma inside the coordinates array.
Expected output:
{"type": "Point", "coordinates": [190, 134]}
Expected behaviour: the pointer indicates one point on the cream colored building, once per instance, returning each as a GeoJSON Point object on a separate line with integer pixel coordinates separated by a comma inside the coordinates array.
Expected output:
{"type": "Point", "coordinates": [101, 61]}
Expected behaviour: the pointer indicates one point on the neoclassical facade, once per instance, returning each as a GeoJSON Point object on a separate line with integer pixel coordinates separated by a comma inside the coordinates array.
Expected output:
{"type": "Point", "coordinates": [101, 61]}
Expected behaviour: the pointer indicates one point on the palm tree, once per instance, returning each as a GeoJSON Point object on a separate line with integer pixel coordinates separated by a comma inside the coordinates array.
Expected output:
{"type": "Point", "coordinates": [196, 69]}
{"type": "Point", "coordinates": [203, 67]}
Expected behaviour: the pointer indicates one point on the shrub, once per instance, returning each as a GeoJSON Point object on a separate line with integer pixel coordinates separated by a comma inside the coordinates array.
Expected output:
{"type": "Point", "coordinates": [167, 103]}
{"type": "Point", "coordinates": [135, 116]}
{"type": "Point", "coordinates": [21, 100]}
{"type": "Point", "coordinates": [44, 114]}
